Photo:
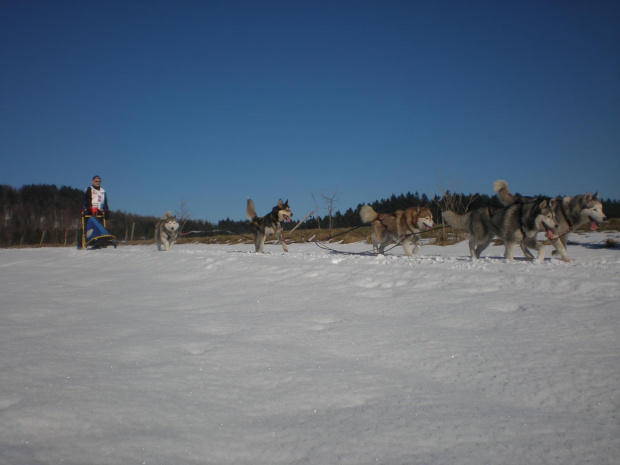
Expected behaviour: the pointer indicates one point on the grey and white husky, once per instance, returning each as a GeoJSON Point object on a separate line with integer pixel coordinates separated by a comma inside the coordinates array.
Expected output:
{"type": "Point", "coordinates": [570, 213]}
{"type": "Point", "coordinates": [515, 224]}
{"type": "Point", "coordinates": [268, 225]}
{"type": "Point", "coordinates": [166, 231]}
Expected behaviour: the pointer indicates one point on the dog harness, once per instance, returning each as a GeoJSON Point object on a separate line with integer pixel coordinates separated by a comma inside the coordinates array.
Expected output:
{"type": "Point", "coordinates": [563, 211]}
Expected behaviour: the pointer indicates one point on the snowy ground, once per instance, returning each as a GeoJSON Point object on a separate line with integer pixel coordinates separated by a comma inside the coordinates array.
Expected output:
{"type": "Point", "coordinates": [215, 355]}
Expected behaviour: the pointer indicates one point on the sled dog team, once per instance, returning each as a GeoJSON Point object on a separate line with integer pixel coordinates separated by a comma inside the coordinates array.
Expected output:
{"type": "Point", "coordinates": [516, 222]}
{"type": "Point", "coordinates": [520, 219]}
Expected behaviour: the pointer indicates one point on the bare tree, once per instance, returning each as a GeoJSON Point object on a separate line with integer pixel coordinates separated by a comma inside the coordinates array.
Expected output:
{"type": "Point", "coordinates": [329, 201]}
{"type": "Point", "coordinates": [316, 209]}
{"type": "Point", "coordinates": [183, 215]}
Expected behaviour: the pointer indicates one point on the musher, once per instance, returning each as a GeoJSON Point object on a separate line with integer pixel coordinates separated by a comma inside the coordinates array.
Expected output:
{"type": "Point", "coordinates": [96, 200]}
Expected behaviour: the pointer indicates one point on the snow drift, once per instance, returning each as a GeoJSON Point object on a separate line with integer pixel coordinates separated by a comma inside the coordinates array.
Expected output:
{"type": "Point", "coordinates": [215, 355]}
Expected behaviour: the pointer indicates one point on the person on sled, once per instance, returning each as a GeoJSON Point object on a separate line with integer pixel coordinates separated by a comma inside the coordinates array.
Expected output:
{"type": "Point", "coordinates": [94, 216]}
{"type": "Point", "coordinates": [96, 200]}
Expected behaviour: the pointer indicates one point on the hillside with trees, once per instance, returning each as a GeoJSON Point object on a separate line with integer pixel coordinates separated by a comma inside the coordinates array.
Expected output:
{"type": "Point", "coordinates": [47, 215]}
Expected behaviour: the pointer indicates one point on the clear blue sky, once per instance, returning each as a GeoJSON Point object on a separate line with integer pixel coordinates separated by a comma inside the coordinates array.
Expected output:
{"type": "Point", "coordinates": [210, 102]}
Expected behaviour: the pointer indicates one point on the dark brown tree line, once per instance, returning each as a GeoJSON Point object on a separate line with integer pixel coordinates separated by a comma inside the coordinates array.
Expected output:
{"type": "Point", "coordinates": [47, 215]}
{"type": "Point", "coordinates": [39, 214]}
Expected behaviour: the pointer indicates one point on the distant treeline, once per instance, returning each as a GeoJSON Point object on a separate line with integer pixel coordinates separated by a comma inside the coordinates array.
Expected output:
{"type": "Point", "coordinates": [47, 215]}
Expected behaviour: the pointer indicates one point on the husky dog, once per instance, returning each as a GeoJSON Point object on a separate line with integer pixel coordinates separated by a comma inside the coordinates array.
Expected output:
{"type": "Point", "coordinates": [570, 213]}
{"type": "Point", "coordinates": [515, 224]}
{"type": "Point", "coordinates": [402, 226]}
{"type": "Point", "coordinates": [271, 224]}
{"type": "Point", "coordinates": [166, 231]}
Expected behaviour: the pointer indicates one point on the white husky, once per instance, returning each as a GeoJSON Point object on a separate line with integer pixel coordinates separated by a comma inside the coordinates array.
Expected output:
{"type": "Point", "coordinates": [167, 231]}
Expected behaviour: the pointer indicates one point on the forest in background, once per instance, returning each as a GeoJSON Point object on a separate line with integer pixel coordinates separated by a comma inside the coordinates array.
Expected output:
{"type": "Point", "coordinates": [44, 214]}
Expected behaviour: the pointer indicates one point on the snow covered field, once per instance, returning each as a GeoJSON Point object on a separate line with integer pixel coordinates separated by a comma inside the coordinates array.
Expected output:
{"type": "Point", "coordinates": [211, 354]}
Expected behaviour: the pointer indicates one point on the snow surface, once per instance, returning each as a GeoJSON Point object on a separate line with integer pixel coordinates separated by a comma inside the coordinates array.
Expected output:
{"type": "Point", "coordinates": [211, 354]}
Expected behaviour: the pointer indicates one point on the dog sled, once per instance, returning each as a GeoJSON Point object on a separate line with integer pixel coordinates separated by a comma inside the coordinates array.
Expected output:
{"type": "Point", "coordinates": [94, 232]}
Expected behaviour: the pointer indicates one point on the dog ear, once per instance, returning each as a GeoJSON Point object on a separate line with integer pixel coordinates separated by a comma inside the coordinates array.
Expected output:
{"type": "Point", "coordinates": [280, 203]}
{"type": "Point", "coordinates": [587, 198]}
{"type": "Point", "coordinates": [417, 209]}
{"type": "Point", "coordinates": [596, 196]}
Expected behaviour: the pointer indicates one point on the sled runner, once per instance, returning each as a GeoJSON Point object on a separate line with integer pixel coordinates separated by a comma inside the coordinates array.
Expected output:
{"type": "Point", "coordinates": [94, 233]}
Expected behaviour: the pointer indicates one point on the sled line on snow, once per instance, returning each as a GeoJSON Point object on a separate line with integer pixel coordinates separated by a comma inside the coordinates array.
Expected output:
{"type": "Point", "coordinates": [323, 246]}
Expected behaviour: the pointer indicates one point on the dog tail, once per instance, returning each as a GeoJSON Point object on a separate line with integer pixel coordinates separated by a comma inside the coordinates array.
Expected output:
{"type": "Point", "coordinates": [367, 214]}
{"type": "Point", "coordinates": [457, 221]}
{"type": "Point", "coordinates": [505, 197]}
{"type": "Point", "coordinates": [167, 215]}
{"type": "Point", "coordinates": [250, 211]}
